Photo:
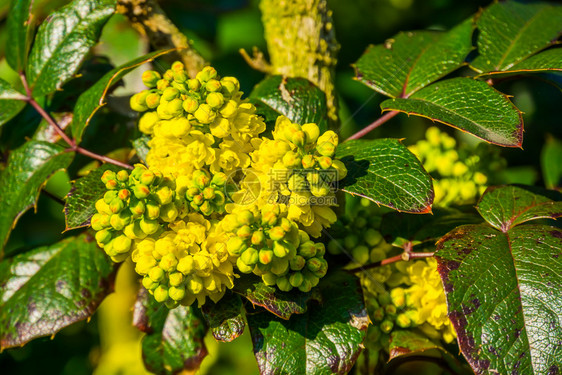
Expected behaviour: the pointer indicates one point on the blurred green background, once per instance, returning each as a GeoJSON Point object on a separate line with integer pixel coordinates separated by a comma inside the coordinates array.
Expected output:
{"type": "Point", "coordinates": [219, 28]}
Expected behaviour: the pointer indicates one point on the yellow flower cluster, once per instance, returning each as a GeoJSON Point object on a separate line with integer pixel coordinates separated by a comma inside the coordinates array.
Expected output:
{"type": "Point", "coordinates": [461, 173]}
{"type": "Point", "coordinates": [216, 195]}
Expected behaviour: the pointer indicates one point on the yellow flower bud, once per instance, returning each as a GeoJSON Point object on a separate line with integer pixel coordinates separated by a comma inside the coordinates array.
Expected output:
{"type": "Point", "coordinates": [150, 78]}
{"type": "Point", "coordinates": [205, 114]}
{"type": "Point", "coordinates": [296, 279]}
{"type": "Point", "coordinates": [176, 278]}
{"type": "Point", "coordinates": [161, 294]}
{"type": "Point", "coordinates": [169, 212]}
{"type": "Point", "coordinates": [180, 127]}
{"type": "Point", "coordinates": [265, 256]}
{"type": "Point", "coordinates": [215, 99]}
{"type": "Point", "coordinates": [339, 166]}
{"type": "Point", "coordinates": [194, 84]}
{"type": "Point", "coordinates": [312, 132]}
{"type": "Point", "coordinates": [152, 100]}
{"type": "Point", "coordinates": [243, 267]}
{"type": "Point", "coordinates": [206, 74]}
{"type": "Point", "coordinates": [185, 265]}
{"type": "Point", "coordinates": [156, 274]}
{"type": "Point", "coordinates": [176, 293]}
{"type": "Point", "coordinates": [229, 109]}
{"type": "Point", "coordinates": [149, 226]}
{"type": "Point", "coordinates": [168, 262]}
{"type": "Point", "coordinates": [103, 237]}
{"type": "Point", "coordinates": [195, 285]}
{"type": "Point", "coordinates": [213, 85]}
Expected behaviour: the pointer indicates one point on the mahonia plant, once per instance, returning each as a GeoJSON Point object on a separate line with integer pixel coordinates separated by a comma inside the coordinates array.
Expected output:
{"type": "Point", "coordinates": [216, 196]}
{"type": "Point", "coordinates": [232, 211]}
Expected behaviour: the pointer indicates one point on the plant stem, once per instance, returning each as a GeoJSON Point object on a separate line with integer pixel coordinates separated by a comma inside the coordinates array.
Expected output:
{"type": "Point", "coordinates": [149, 19]}
{"type": "Point", "coordinates": [71, 142]}
{"type": "Point", "coordinates": [381, 120]}
{"type": "Point", "coordinates": [406, 256]}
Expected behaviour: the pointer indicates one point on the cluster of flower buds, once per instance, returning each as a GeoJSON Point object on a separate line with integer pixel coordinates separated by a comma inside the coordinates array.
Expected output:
{"type": "Point", "coordinates": [462, 172]}
{"type": "Point", "coordinates": [132, 209]}
{"type": "Point", "coordinates": [206, 100]}
{"type": "Point", "coordinates": [305, 269]}
{"type": "Point", "coordinates": [271, 246]}
{"type": "Point", "coordinates": [185, 264]}
{"type": "Point", "coordinates": [309, 159]}
{"type": "Point", "coordinates": [204, 191]}
{"type": "Point", "coordinates": [359, 236]}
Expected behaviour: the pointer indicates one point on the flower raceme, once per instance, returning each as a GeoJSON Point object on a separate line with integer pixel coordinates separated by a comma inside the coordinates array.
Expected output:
{"type": "Point", "coordinates": [217, 197]}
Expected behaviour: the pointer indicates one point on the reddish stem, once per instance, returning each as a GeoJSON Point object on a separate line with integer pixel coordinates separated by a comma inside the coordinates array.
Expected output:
{"type": "Point", "coordinates": [404, 256]}
{"type": "Point", "coordinates": [381, 120]}
{"type": "Point", "coordinates": [71, 142]}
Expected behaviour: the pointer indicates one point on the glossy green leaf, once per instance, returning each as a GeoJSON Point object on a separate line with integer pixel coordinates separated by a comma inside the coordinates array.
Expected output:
{"type": "Point", "coordinates": [386, 172]}
{"type": "Point", "coordinates": [423, 228]}
{"type": "Point", "coordinates": [80, 202]}
{"type": "Point", "coordinates": [547, 61]}
{"type": "Point", "coordinates": [551, 155]}
{"type": "Point", "coordinates": [407, 344]}
{"type": "Point", "coordinates": [94, 98]}
{"type": "Point", "coordinates": [20, 30]}
{"type": "Point", "coordinates": [412, 60]}
{"type": "Point", "coordinates": [63, 41]}
{"type": "Point", "coordinates": [26, 172]}
{"type": "Point", "coordinates": [174, 339]}
{"type": "Point", "coordinates": [11, 102]}
{"type": "Point", "coordinates": [510, 31]}
{"type": "Point", "coordinates": [51, 287]}
{"type": "Point", "coordinates": [282, 304]}
{"type": "Point", "coordinates": [298, 99]}
{"type": "Point", "coordinates": [327, 339]}
{"type": "Point", "coordinates": [507, 206]}
{"type": "Point", "coordinates": [224, 318]}
{"type": "Point", "coordinates": [503, 296]}
{"type": "Point", "coordinates": [469, 105]}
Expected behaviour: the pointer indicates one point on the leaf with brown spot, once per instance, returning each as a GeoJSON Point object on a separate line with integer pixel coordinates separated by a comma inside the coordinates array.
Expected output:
{"type": "Point", "coordinates": [225, 318]}
{"type": "Point", "coordinates": [51, 287]}
{"type": "Point", "coordinates": [502, 287]}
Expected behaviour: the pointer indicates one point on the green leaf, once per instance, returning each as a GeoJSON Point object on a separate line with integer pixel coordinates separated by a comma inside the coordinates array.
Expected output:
{"type": "Point", "coordinates": [282, 304]}
{"type": "Point", "coordinates": [51, 287]}
{"type": "Point", "coordinates": [63, 41]}
{"type": "Point", "coordinates": [20, 30]}
{"type": "Point", "coordinates": [327, 339]}
{"type": "Point", "coordinates": [225, 318]}
{"type": "Point", "coordinates": [141, 147]}
{"type": "Point", "coordinates": [550, 163]}
{"type": "Point", "coordinates": [549, 60]}
{"type": "Point", "coordinates": [174, 339]}
{"type": "Point", "coordinates": [421, 228]}
{"type": "Point", "coordinates": [412, 60]}
{"type": "Point", "coordinates": [509, 32]}
{"type": "Point", "coordinates": [80, 202]}
{"type": "Point", "coordinates": [26, 172]}
{"type": "Point", "coordinates": [11, 102]}
{"type": "Point", "coordinates": [94, 98]}
{"type": "Point", "coordinates": [469, 105]}
{"type": "Point", "coordinates": [507, 206]}
{"type": "Point", "coordinates": [504, 296]}
{"type": "Point", "coordinates": [386, 172]}
{"type": "Point", "coordinates": [406, 344]}
{"type": "Point", "coordinates": [298, 99]}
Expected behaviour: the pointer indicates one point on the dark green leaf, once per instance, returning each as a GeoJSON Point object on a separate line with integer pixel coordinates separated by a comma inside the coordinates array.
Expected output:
{"type": "Point", "coordinates": [26, 172]}
{"type": "Point", "coordinates": [282, 304]}
{"type": "Point", "coordinates": [51, 287]}
{"type": "Point", "coordinates": [413, 60]}
{"type": "Point", "coordinates": [93, 99]}
{"type": "Point", "coordinates": [20, 31]}
{"type": "Point", "coordinates": [327, 339]}
{"type": "Point", "coordinates": [11, 102]}
{"type": "Point", "coordinates": [507, 206]}
{"type": "Point", "coordinates": [549, 60]}
{"type": "Point", "coordinates": [141, 147]}
{"type": "Point", "coordinates": [422, 228]}
{"type": "Point", "coordinates": [174, 339]}
{"type": "Point", "coordinates": [504, 296]}
{"type": "Point", "coordinates": [469, 105]}
{"type": "Point", "coordinates": [550, 162]}
{"type": "Point", "coordinates": [62, 42]}
{"type": "Point", "coordinates": [298, 99]}
{"type": "Point", "coordinates": [407, 343]}
{"type": "Point", "coordinates": [225, 318]}
{"type": "Point", "coordinates": [386, 172]}
{"type": "Point", "coordinates": [510, 31]}
{"type": "Point", "coordinates": [80, 201]}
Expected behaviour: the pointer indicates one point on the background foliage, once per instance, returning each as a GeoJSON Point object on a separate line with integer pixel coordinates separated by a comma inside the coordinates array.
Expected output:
{"type": "Point", "coordinates": [219, 29]}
